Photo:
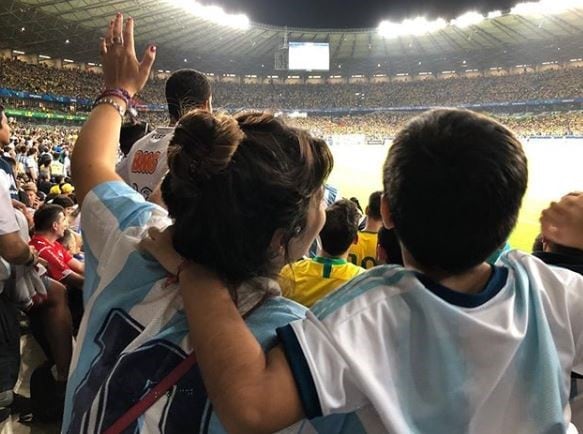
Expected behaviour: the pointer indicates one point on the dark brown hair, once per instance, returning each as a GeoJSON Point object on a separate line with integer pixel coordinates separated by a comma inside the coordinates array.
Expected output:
{"type": "Point", "coordinates": [186, 89]}
{"type": "Point", "coordinates": [233, 181]}
{"type": "Point", "coordinates": [341, 227]}
{"type": "Point", "coordinates": [455, 181]}
{"type": "Point", "coordinates": [46, 215]}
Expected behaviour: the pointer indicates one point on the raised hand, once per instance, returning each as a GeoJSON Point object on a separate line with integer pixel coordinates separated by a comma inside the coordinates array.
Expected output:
{"type": "Point", "coordinates": [562, 222]}
{"type": "Point", "coordinates": [159, 244]}
{"type": "Point", "coordinates": [121, 68]}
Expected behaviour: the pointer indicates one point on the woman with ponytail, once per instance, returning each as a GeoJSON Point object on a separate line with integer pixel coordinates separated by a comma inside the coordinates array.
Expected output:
{"type": "Point", "coordinates": [244, 196]}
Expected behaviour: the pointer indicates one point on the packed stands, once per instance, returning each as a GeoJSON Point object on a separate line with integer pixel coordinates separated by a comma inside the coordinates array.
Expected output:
{"type": "Point", "coordinates": [552, 84]}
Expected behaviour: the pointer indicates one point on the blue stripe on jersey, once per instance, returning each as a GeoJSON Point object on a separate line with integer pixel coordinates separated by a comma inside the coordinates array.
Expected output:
{"type": "Point", "coordinates": [265, 320]}
{"type": "Point", "coordinates": [386, 275]}
{"type": "Point", "coordinates": [130, 210]}
{"type": "Point", "coordinates": [91, 277]}
{"type": "Point", "coordinates": [175, 329]}
{"type": "Point", "coordinates": [301, 372]}
{"type": "Point", "coordinates": [543, 376]}
{"type": "Point", "coordinates": [439, 386]}
{"type": "Point", "coordinates": [101, 307]}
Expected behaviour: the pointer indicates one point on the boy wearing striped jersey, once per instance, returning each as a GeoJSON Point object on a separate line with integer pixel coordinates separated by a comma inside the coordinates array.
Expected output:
{"type": "Point", "coordinates": [449, 344]}
{"type": "Point", "coordinates": [363, 252]}
{"type": "Point", "coordinates": [309, 280]}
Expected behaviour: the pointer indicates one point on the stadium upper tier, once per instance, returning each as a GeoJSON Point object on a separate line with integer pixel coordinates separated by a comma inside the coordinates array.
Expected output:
{"type": "Point", "coordinates": [216, 42]}
{"type": "Point", "coordinates": [552, 84]}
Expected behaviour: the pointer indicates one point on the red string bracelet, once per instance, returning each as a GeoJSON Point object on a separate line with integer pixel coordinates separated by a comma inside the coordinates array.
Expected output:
{"type": "Point", "coordinates": [174, 278]}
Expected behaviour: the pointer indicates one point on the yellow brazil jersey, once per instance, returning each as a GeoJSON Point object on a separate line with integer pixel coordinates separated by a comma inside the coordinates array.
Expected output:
{"type": "Point", "coordinates": [309, 280]}
{"type": "Point", "coordinates": [364, 253]}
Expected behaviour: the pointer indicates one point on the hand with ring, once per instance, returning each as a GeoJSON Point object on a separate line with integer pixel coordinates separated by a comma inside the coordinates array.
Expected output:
{"type": "Point", "coordinates": [121, 68]}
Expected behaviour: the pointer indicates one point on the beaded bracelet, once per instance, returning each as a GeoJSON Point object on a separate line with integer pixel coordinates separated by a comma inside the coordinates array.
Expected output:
{"type": "Point", "coordinates": [111, 102]}
{"type": "Point", "coordinates": [123, 93]}
{"type": "Point", "coordinates": [119, 93]}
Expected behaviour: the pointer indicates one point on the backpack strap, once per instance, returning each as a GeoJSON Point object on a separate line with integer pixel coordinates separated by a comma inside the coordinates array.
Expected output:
{"type": "Point", "coordinates": [152, 396]}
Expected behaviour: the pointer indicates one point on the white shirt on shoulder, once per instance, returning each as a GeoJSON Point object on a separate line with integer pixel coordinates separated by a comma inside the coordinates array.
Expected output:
{"type": "Point", "coordinates": [145, 165]}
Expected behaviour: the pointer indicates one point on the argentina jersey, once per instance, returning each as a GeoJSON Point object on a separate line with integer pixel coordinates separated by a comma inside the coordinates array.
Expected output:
{"type": "Point", "coordinates": [134, 331]}
{"type": "Point", "coordinates": [406, 355]}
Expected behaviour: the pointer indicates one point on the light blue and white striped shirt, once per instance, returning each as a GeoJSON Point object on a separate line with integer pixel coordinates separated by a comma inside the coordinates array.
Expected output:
{"type": "Point", "coordinates": [134, 331]}
{"type": "Point", "coordinates": [411, 356]}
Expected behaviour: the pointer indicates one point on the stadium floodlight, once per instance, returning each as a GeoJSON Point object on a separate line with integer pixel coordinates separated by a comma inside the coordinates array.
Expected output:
{"type": "Point", "coordinates": [468, 19]}
{"type": "Point", "coordinates": [494, 14]}
{"type": "Point", "coordinates": [68, 61]}
{"type": "Point", "coordinates": [17, 52]}
{"type": "Point", "coordinates": [42, 56]}
{"type": "Point", "coordinates": [410, 27]}
{"type": "Point", "coordinates": [545, 7]}
{"type": "Point", "coordinates": [213, 14]}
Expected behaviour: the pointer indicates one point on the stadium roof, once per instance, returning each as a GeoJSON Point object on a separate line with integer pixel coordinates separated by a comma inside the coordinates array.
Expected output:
{"type": "Point", "coordinates": [71, 28]}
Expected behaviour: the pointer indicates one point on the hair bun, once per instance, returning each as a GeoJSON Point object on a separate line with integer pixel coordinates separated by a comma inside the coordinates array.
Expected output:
{"type": "Point", "coordinates": [203, 145]}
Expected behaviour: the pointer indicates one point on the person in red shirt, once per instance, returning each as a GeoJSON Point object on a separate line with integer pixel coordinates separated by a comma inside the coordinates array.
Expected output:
{"type": "Point", "coordinates": [50, 224]}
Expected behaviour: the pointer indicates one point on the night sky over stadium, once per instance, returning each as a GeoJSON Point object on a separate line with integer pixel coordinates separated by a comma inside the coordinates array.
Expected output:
{"type": "Point", "coordinates": [352, 13]}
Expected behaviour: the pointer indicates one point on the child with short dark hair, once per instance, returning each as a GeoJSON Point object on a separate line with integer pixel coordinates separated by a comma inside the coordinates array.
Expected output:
{"type": "Point", "coordinates": [308, 280]}
{"type": "Point", "coordinates": [452, 344]}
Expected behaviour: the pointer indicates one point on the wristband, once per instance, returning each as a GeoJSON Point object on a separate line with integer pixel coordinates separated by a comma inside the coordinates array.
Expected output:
{"type": "Point", "coordinates": [113, 93]}
{"type": "Point", "coordinates": [111, 102]}
{"type": "Point", "coordinates": [118, 91]}
{"type": "Point", "coordinates": [174, 278]}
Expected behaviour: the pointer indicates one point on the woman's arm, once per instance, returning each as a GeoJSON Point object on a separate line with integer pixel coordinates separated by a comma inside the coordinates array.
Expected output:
{"type": "Point", "coordinates": [251, 392]}
{"type": "Point", "coordinates": [95, 152]}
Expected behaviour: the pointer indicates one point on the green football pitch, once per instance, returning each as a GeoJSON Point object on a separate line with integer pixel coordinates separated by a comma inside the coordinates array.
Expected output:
{"type": "Point", "coordinates": [555, 168]}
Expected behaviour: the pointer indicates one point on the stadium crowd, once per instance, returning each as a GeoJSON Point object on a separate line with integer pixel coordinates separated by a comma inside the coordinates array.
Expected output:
{"type": "Point", "coordinates": [564, 83]}
{"type": "Point", "coordinates": [189, 251]}
{"type": "Point", "coordinates": [381, 126]}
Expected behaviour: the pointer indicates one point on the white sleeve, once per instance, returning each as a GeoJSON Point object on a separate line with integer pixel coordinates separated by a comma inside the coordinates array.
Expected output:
{"type": "Point", "coordinates": [8, 223]}
{"type": "Point", "coordinates": [322, 372]}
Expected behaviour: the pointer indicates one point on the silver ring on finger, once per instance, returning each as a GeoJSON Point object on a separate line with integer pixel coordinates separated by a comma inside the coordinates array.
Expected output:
{"type": "Point", "coordinates": [117, 40]}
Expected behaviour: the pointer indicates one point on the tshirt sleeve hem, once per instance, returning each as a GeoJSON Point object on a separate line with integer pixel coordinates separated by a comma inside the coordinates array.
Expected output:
{"type": "Point", "coordinates": [301, 372]}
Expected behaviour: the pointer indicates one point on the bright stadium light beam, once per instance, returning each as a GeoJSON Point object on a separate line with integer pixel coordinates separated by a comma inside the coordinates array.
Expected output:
{"type": "Point", "coordinates": [214, 14]}
{"type": "Point", "coordinates": [468, 19]}
{"type": "Point", "coordinates": [545, 7]}
{"type": "Point", "coordinates": [410, 27]}
{"type": "Point", "coordinates": [494, 14]}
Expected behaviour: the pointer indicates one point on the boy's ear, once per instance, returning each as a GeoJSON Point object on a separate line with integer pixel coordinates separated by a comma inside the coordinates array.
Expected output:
{"type": "Point", "coordinates": [386, 212]}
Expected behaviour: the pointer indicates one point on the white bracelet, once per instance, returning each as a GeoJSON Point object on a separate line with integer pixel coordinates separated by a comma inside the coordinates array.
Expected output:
{"type": "Point", "coordinates": [111, 102]}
